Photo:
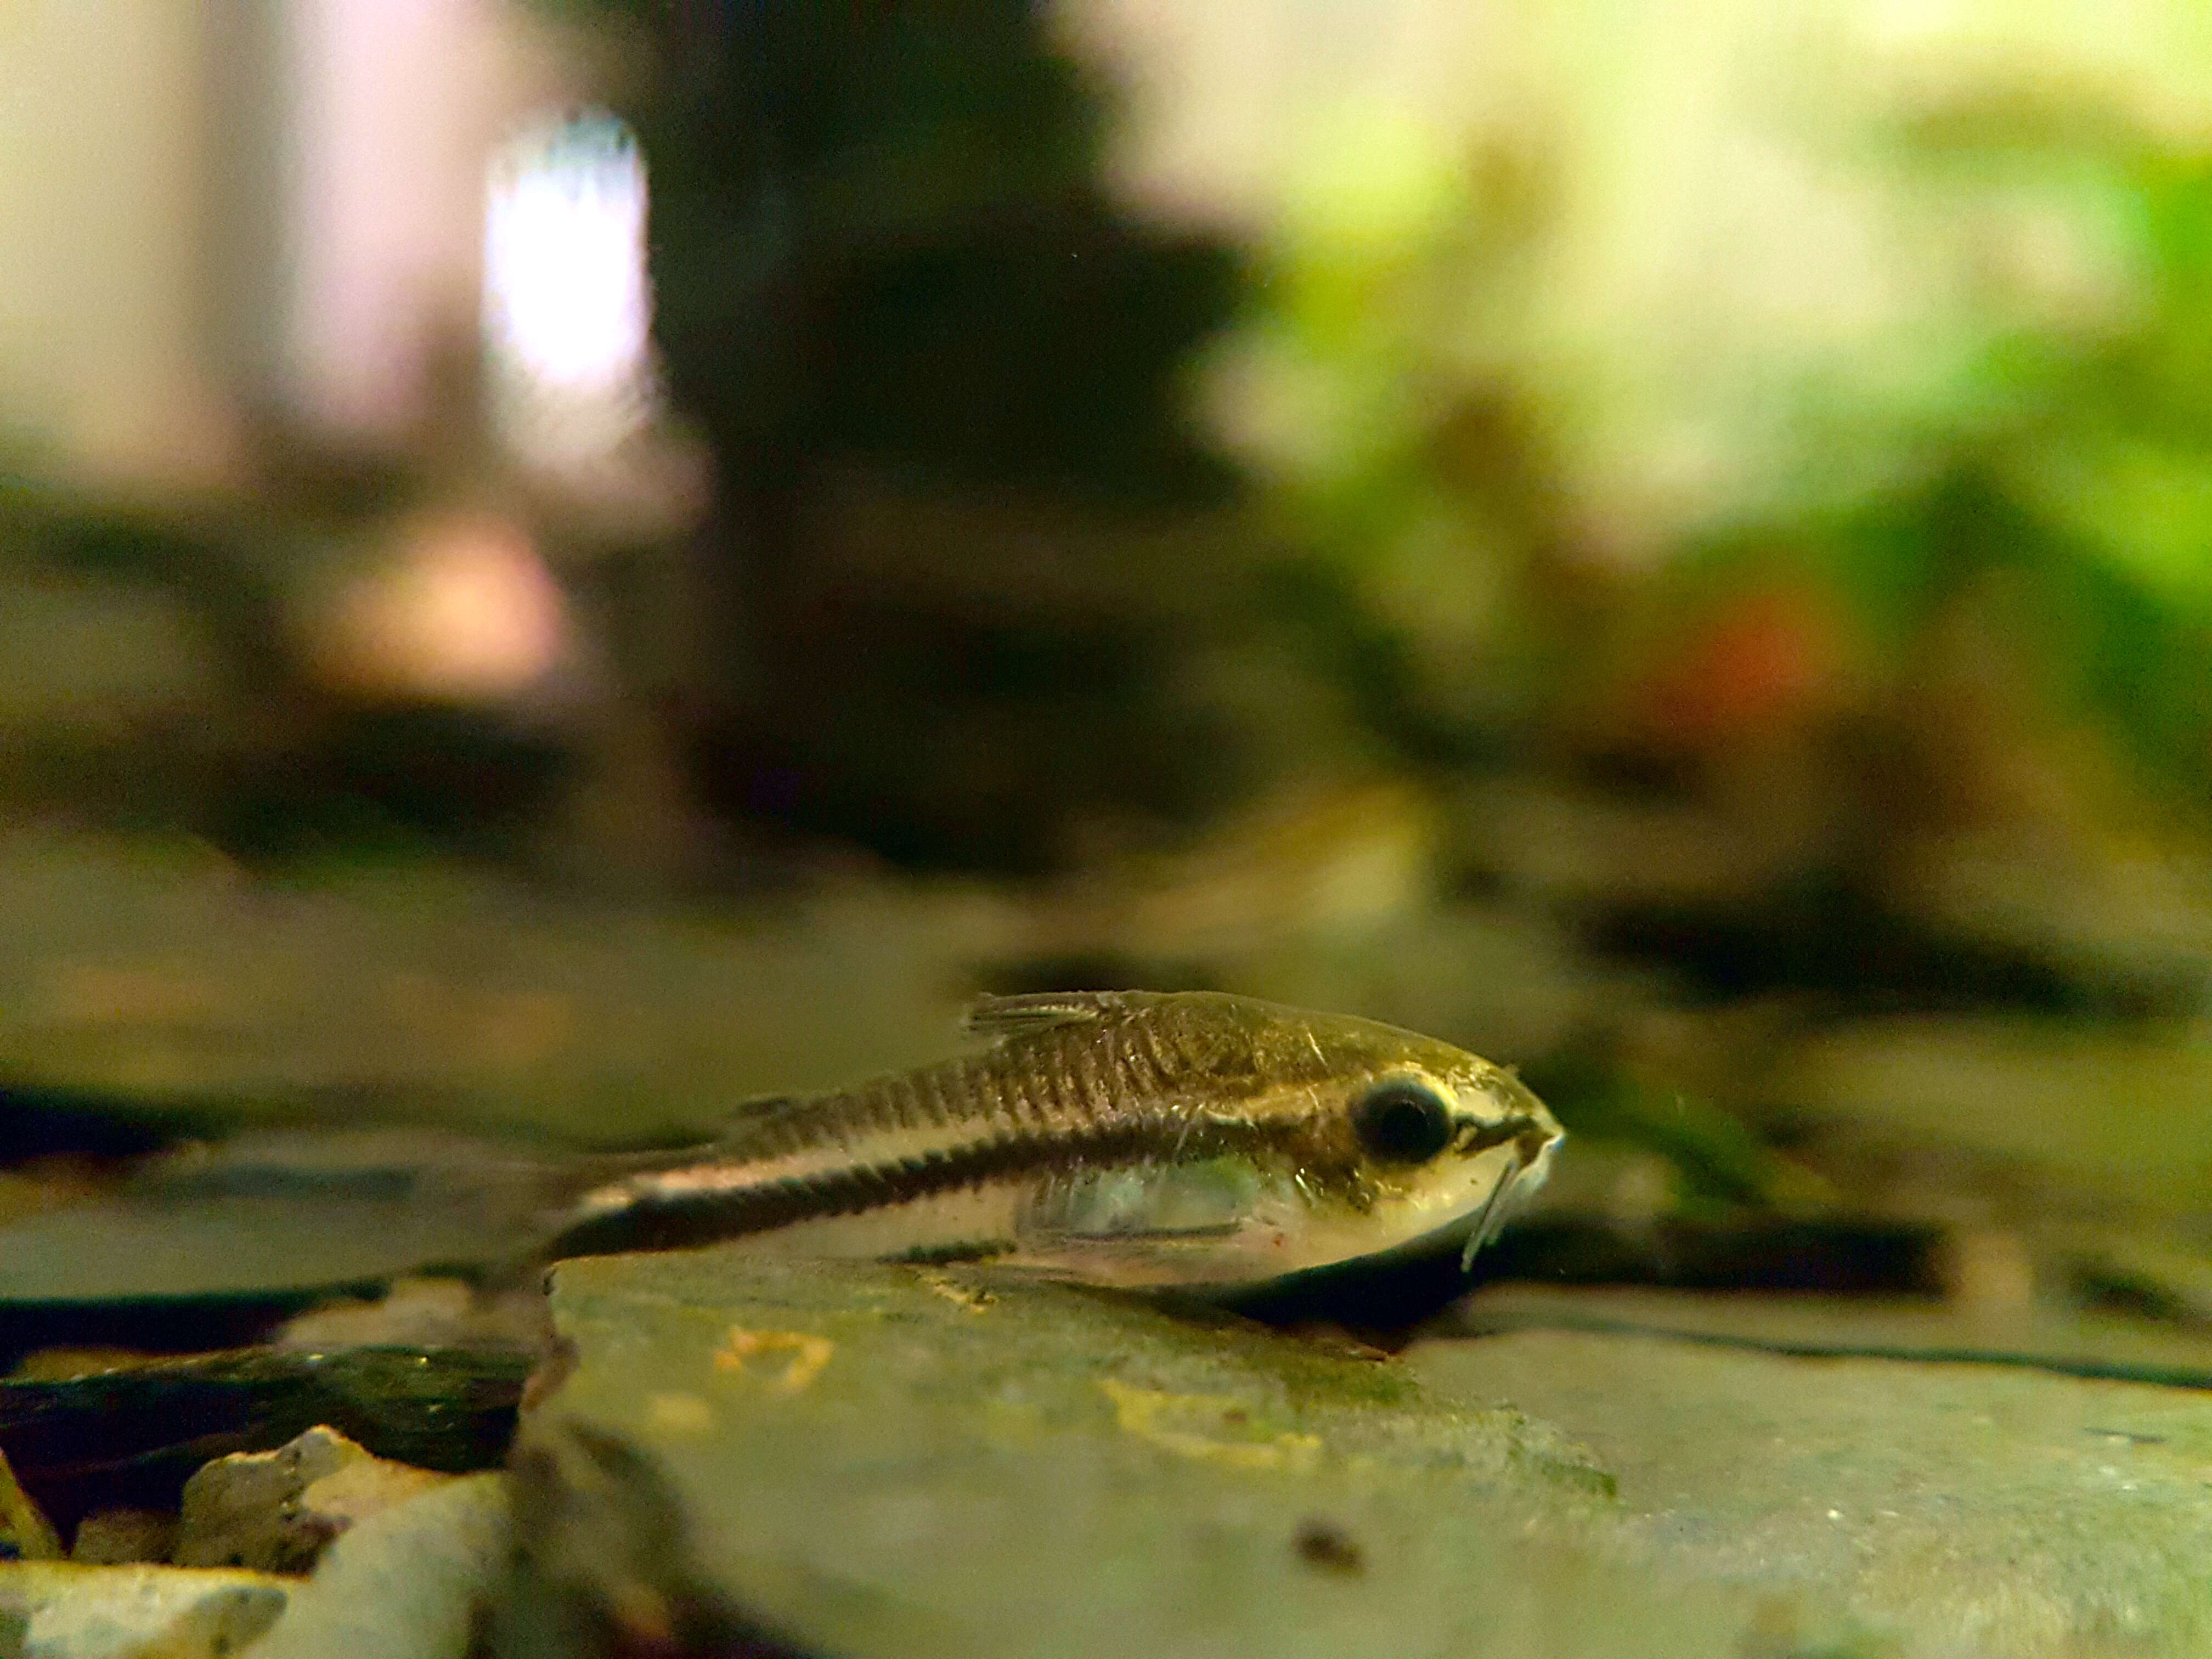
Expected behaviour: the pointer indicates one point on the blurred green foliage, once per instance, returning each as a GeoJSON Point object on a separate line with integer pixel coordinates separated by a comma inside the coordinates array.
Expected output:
{"type": "Point", "coordinates": [879, 231]}
{"type": "Point", "coordinates": [1397, 386]}
{"type": "Point", "coordinates": [1514, 467]}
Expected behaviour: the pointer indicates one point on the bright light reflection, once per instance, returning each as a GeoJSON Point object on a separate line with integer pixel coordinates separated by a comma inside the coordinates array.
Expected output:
{"type": "Point", "coordinates": [567, 309]}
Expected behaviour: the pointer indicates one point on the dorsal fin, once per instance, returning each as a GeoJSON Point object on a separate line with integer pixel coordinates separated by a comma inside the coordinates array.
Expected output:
{"type": "Point", "coordinates": [1003, 1018]}
{"type": "Point", "coordinates": [745, 1119]}
{"type": "Point", "coordinates": [746, 1113]}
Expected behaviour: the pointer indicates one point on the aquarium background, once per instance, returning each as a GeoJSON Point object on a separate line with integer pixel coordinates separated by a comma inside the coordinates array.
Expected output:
{"type": "Point", "coordinates": [565, 565]}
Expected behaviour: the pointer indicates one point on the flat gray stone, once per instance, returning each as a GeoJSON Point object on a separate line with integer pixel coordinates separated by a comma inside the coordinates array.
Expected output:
{"type": "Point", "coordinates": [166, 974]}
{"type": "Point", "coordinates": [62, 1610]}
{"type": "Point", "coordinates": [281, 1213]}
{"type": "Point", "coordinates": [2094, 1116]}
{"type": "Point", "coordinates": [894, 1461]}
{"type": "Point", "coordinates": [2048, 1338]}
{"type": "Point", "coordinates": [1966, 1508]}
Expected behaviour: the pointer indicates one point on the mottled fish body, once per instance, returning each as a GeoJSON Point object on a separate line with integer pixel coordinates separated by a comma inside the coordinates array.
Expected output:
{"type": "Point", "coordinates": [1124, 1138]}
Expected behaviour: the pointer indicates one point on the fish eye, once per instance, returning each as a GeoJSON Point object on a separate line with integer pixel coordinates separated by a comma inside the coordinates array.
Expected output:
{"type": "Point", "coordinates": [1402, 1121]}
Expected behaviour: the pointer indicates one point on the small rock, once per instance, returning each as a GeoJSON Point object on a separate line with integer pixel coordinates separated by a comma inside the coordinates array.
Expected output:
{"type": "Point", "coordinates": [25, 1535]}
{"type": "Point", "coordinates": [245, 1509]}
{"type": "Point", "coordinates": [47, 1184]}
{"type": "Point", "coordinates": [415, 1313]}
{"type": "Point", "coordinates": [421, 1313]}
{"type": "Point", "coordinates": [63, 1610]}
{"type": "Point", "coordinates": [276, 1511]}
{"type": "Point", "coordinates": [418, 1582]}
{"type": "Point", "coordinates": [66, 1365]}
{"type": "Point", "coordinates": [359, 1490]}
{"type": "Point", "coordinates": [114, 1537]}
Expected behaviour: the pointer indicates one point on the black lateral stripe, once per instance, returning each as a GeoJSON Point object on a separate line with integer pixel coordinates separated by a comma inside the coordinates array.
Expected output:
{"type": "Point", "coordinates": [679, 1221]}
{"type": "Point", "coordinates": [980, 1249]}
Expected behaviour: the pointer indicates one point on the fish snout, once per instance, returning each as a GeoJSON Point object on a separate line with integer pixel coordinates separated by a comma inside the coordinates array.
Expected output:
{"type": "Point", "coordinates": [1535, 1142]}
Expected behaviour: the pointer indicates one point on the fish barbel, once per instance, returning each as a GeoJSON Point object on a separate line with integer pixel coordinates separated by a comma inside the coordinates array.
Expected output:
{"type": "Point", "coordinates": [1124, 1138]}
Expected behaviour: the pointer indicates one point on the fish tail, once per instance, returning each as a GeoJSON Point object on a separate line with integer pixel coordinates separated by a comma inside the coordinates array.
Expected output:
{"type": "Point", "coordinates": [563, 1213]}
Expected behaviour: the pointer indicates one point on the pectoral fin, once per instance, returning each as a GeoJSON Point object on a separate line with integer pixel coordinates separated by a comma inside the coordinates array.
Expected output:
{"type": "Point", "coordinates": [1160, 1203]}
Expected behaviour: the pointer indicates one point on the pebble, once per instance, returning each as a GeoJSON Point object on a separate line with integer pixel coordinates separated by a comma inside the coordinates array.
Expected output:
{"type": "Point", "coordinates": [25, 1535]}
{"type": "Point", "coordinates": [65, 1610]}
{"type": "Point", "coordinates": [278, 1512]}
{"type": "Point", "coordinates": [114, 1537]}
